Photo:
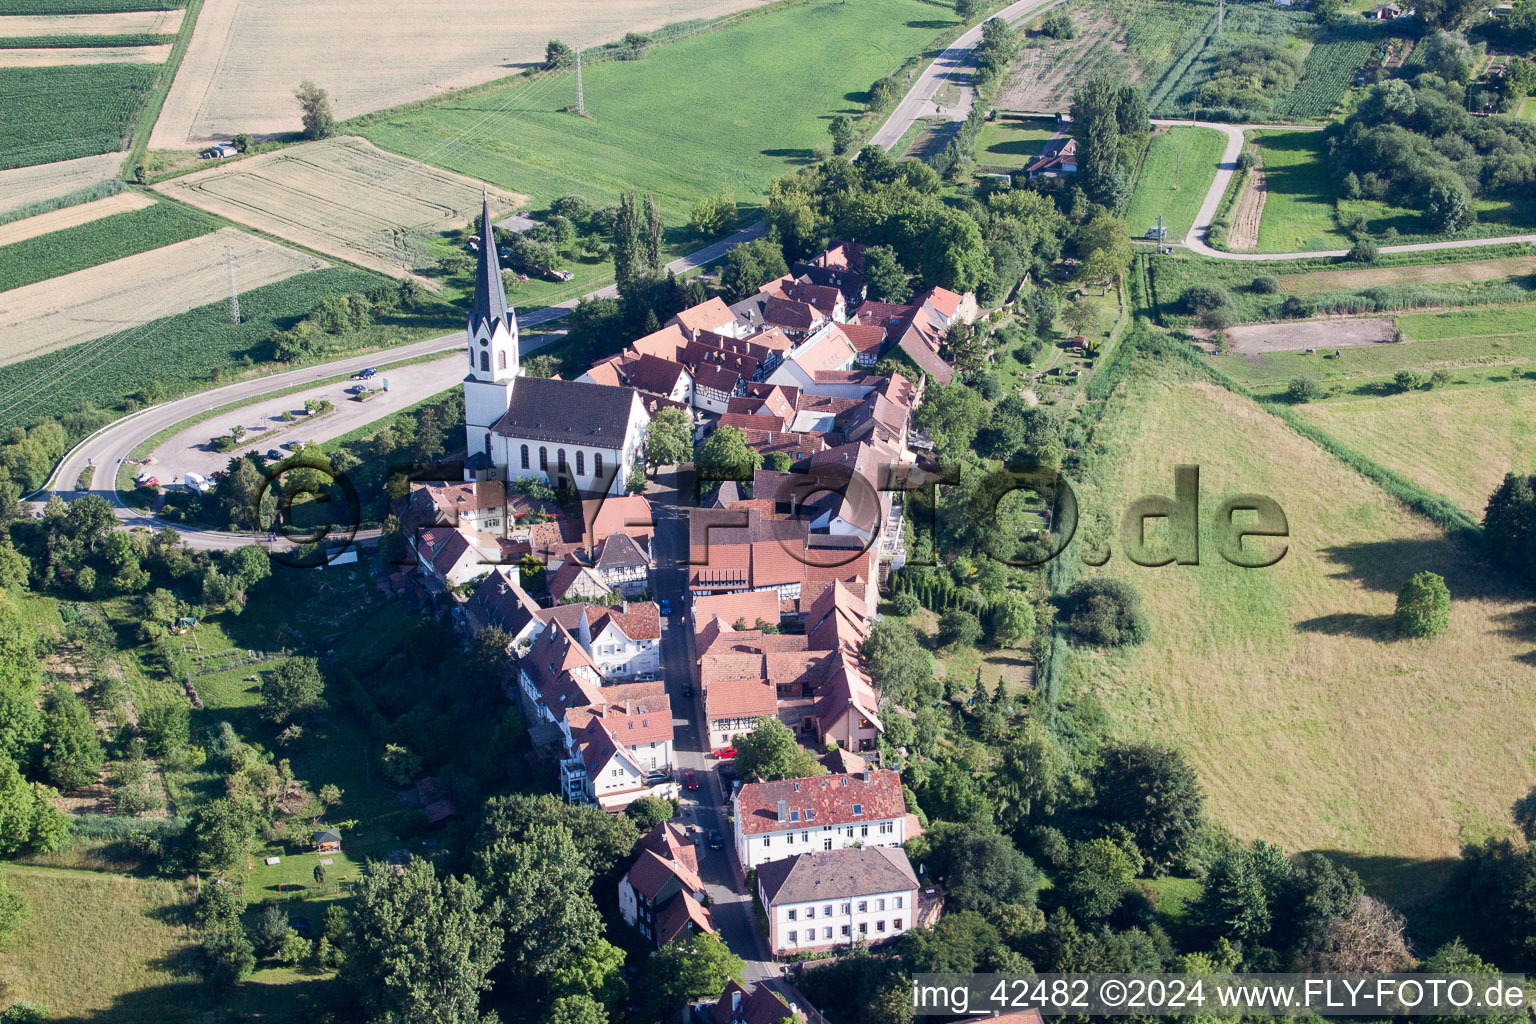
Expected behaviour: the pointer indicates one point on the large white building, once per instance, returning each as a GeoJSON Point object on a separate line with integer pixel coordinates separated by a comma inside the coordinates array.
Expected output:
{"type": "Point", "coordinates": [775, 820]}
{"type": "Point", "coordinates": [564, 432]}
{"type": "Point", "coordinates": [823, 900]}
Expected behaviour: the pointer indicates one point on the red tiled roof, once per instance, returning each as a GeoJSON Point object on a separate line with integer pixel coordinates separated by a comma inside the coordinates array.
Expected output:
{"type": "Point", "coordinates": [799, 316]}
{"type": "Point", "coordinates": [681, 911]}
{"type": "Point", "coordinates": [735, 697]}
{"type": "Point", "coordinates": [829, 799]}
{"type": "Point", "coordinates": [638, 621]}
{"type": "Point", "coordinates": [666, 343]}
{"type": "Point", "coordinates": [706, 316]}
{"type": "Point", "coordinates": [866, 338]}
{"type": "Point", "coordinates": [758, 604]}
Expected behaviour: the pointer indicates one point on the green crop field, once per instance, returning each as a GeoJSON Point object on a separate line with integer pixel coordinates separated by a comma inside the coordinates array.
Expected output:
{"type": "Point", "coordinates": [59, 113]}
{"type": "Point", "coordinates": [100, 241]}
{"type": "Point", "coordinates": [1177, 172]}
{"type": "Point", "coordinates": [86, 6]}
{"type": "Point", "coordinates": [1328, 71]}
{"type": "Point", "coordinates": [1245, 23]}
{"type": "Point", "coordinates": [181, 351]}
{"type": "Point", "coordinates": [1304, 716]}
{"type": "Point", "coordinates": [1013, 141]}
{"type": "Point", "coordinates": [72, 42]}
{"type": "Point", "coordinates": [724, 111]}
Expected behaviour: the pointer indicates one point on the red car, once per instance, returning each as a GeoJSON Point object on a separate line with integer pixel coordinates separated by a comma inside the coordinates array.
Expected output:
{"type": "Point", "coordinates": [690, 781]}
{"type": "Point", "coordinates": [725, 753]}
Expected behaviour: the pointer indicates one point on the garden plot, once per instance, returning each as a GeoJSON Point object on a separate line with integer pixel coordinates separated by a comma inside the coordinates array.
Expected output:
{"type": "Point", "coordinates": [72, 216]}
{"type": "Point", "coordinates": [125, 293]}
{"type": "Point", "coordinates": [247, 56]}
{"type": "Point", "coordinates": [343, 197]}
{"type": "Point", "coordinates": [1045, 74]}
{"type": "Point", "coordinates": [23, 186]}
{"type": "Point", "coordinates": [125, 23]}
{"type": "Point", "coordinates": [69, 56]}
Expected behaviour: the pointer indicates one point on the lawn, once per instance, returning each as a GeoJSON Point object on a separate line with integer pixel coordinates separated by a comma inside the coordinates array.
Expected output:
{"type": "Point", "coordinates": [1177, 172]}
{"type": "Point", "coordinates": [1454, 441]}
{"type": "Point", "coordinates": [1528, 108]}
{"type": "Point", "coordinates": [1015, 666]}
{"type": "Point", "coordinates": [1310, 725]}
{"type": "Point", "coordinates": [1012, 142]}
{"type": "Point", "coordinates": [59, 113]}
{"type": "Point", "coordinates": [197, 349]}
{"type": "Point", "coordinates": [723, 111]}
{"type": "Point", "coordinates": [1298, 209]}
{"type": "Point", "coordinates": [100, 241]}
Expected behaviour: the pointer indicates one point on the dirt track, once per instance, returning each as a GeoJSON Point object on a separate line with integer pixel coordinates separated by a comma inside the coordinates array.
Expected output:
{"type": "Point", "coordinates": [1257, 339]}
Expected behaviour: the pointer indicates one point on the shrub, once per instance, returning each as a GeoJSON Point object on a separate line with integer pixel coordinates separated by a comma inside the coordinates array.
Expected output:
{"type": "Point", "coordinates": [1266, 284]}
{"type": "Point", "coordinates": [1364, 251]}
{"type": "Point", "coordinates": [227, 957]}
{"type": "Point", "coordinates": [1105, 612]}
{"type": "Point", "coordinates": [1294, 308]}
{"type": "Point", "coordinates": [1423, 606]}
{"type": "Point", "coordinates": [1058, 25]}
{"type": "Point", "coordinates": [1304, 389]}
{"type": "Point", "coordinates": [959, 628]}
{"type": "Point", "coordinates": [219, 903]}
{"type": "Point", "coordinates": [1199, 299]}
{"type": "Point", "coordinates": [905, 603]}
{"type": "Point", "coordinates": [1410, 380]}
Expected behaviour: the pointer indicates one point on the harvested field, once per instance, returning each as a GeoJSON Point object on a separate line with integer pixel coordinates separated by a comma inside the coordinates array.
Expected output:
{"type": "Point", "coordinates": [1257, 339]}
{"type": "Point", "coordinates": [1428, 273]}
{"type": "Point", "coordinates": [342, 196]}
{"type": "Point", "coordinates": [72, 216]}
{"type": "Point", "coordinates": [114, 296]}
{"type": "Point", "coordinates": [1248, 212]}
{"type": "Point", "coordinates": [70, 56]}
{"type": "Point", "coordinates": [247, 56]}
{"type": "Point", "coordinates": [23, 186]}
{"type": "Point", "coordinates": [127, 23]}
{"type": "Point", "coordinates": [1310, 724]}
{"type": "Point", "coordinates": [1045, 73]}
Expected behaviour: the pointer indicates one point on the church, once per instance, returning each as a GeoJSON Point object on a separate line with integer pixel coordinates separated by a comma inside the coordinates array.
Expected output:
{"type": "Point", "coordinates": [565, 432]}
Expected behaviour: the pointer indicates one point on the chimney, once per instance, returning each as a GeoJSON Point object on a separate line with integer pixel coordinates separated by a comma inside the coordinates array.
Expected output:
{"type": "Point", "coordinates": [783, 811]}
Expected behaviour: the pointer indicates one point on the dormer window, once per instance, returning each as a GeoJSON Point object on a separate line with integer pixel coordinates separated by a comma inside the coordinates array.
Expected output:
{"type": "Point", "coordinates": [858, 810]}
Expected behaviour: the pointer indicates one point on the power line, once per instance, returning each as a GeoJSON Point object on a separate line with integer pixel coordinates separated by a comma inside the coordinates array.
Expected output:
{"type": "Point", "coordinates": [234, 293]}
{"type": "Point", "coordinates": [581, 107]}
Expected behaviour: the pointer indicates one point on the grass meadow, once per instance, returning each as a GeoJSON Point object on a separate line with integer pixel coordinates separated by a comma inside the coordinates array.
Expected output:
{"type": "Point", "coordinates": [1012, 142]}
{"type": "Point", "coordinates": [1175, 175]}
{"type": "Point", "coordinates": [1310, 724]}
{"type": "Point", "coordinates": [724, 111]}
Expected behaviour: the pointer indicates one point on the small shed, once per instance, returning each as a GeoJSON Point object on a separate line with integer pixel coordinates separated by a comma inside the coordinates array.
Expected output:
{"type": "Point", "coordinates": [327, 840]}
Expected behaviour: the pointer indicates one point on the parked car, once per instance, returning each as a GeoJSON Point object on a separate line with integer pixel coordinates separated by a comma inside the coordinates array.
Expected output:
{"type": "Point", "coordinates": [725, 753]}
{"type": "Point", "coordinates": [275, 454]}
{"type": "Point", "coordinates": [716, 841]}
{"type": "Point", "coordinates": [691, 780]}
{"type": "Point", "coordinates": [656, 778]}
{"type": "Point", "coordinates": [666, 607]}
{"type": "Point", "coordinates": [366, 374]}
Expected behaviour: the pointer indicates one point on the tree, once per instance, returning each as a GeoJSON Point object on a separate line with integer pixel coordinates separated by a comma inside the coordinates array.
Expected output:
{"type": "Point", "coordinates": [1013, 620]}
{"type": "Point", "coordinates": [900, 666]}
{"type": "Point", "coordinates": [651, 240]}
{"type": "Point", "coordinates": [576, 1010]}
{"type": "Point", "coordinates": [1106, 612]}
{"type": "Point", "coordinates": [596, 973]}
{"type": "Point", "coordinates": [1448, 206]}
{"type": "Point", "coordinates": [419, 947]}
{"type": "Point", "coordinates": [958, 628]}
{"type": "Point", "coordinates": [1364, 250]}
{"type": "Point", "coordinates": [270, 931]}
{"type": "Point", "coordinates": [1423, 606]}
{"type": "Point", "coordinates": [1154, 793]}
{"type": "Point", "coordinates": [25, 1011]}
{"type": "Point", "coordinates": [1509, 525]}
{"type": "Point", "coordinates": [981, 869]}
{"type": "Point", "coordinates": [751, 265]}
{"type": "Point", "coordinates": [544, 886]}
{"type": "Point", "coordinates": [1104, 246]}
{"type": "Point", "coordinates": [779, 462]}
{"type": "Point", "coordinates": [691, 968]}
{"type": "Point", "coordinates": [771, 752]}
{"type": "Point", "coordinates": [402, 765]}
{"type": "Point", "coordinates": [315, 111]}
{"type": "Point", "coordinates": [295, 949]}
{"type": "Point", "coordinates": [227, 957]}
{"type": "Point", "coordinates": [954, 255]}
{"type": "Point", "coordinates": [649, 811]}
{"type": "Point", "coordinates": [965, 10]}
{"type": "Point", "coordinates": [72, 752]}
{"type": "Point", "coordinates": [1058, 25]}
{"type": "Point", "coordinates": [726, 456]}
{"type": "Point", "coordinates": [15, 569]}
{"type": "Point", "coordinates": [1369, 939]}
{"type": "Point", "coordinates": [670, 438]}
{"type": "Point", "coordinates": [29, 821]}
{"type": "Point", "coordinates": [1098, 877]}
{"type": "Point", "coordinates": [558, 55]}
{"type": "Point", "coordinates": [219, 903]}
{"type": "Point", "coordinates": [1096, 126]}
{"type": "Point", "coordinates": [222, 832]}
{"type": "Point", "coordinates": [842, 131]}
{"type": "Point", "coordinates": [1080, 316]}
{"type": "Point", "coordinates": [884, 276]}
{"type": "Point", "coordinates": [1236, 900]}
{"type": "Point", "coordinates": [291, 689]}
{"type": "Point", "coordinates": [713, 214]}
{"type": "Point", "coordinates": [1304, 389]}
{"type": "Point", "coordinates": [319, 874]}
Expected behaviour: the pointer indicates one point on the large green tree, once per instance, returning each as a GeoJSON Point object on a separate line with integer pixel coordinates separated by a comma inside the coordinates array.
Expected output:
{"type": "Point", "coordinates": [884, 277]}
{"type": "Point", "coordinates": [696, 967]}
{"type": "Point", "coordinates": [670, 438]}
{"type": "Point", "coordinates": [771, 752]}
{"type": "Point", "coordinates": [72, 753]}
{"type": "Point", "coordinates": [29, 821]}
{"type": "Point", "coordinates": [899, 664]}
{"type": "Point", "coordinates": [981, 869]}
{"type": "Point", "coordinates": [419, 947]}
{"type": "Point", "coordinates": [1423, 606]}
{"type": "Point", "coordinates": [544, 887]}
{"type": "Point", "coordinates": [1154, 793]}
{"type": "Point", "coordinates": [291, 689]}
{"type": "Point", "coordinates": [1096, 127]}
{"type": "Point", "coordinates": [725, 455]}
{"type": "Point", "coordinates": [222, 832]}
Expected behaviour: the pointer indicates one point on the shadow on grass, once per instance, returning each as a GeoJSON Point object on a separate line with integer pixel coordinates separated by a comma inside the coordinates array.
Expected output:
{"type": "Point", "coordinates": [794, 156]}
{"type": "Point", "coordinates": [932, 24]}
{"type": "Point", "coordinates": [1422, 889]}
{"type": "Point", "coordinates": [1369, 627]}
{"type": "Point", "coordinates": [1386, 565]}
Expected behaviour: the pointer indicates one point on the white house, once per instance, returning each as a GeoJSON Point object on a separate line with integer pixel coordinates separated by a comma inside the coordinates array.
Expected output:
{"type": "Point", "coordinates": [602, 770]}
{"type": "Point", "coordinates": [661, 895]}
{"type": "Point", "coordinates": [563, 432]}
{"type": "Point", "coordinates": [821, 900]}
{"type": "Point", "coordinates": [455, 557]}
{"type": "Point", "coordinates": [827, 350]}
{"type": "Point", "coordinates": [775, 820]}
{"type": "Point", "coordinates": [624, 640]}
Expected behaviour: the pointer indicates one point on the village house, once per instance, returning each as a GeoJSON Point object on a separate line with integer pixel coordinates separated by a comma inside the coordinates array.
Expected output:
{"type": "Point", "coordinates": [661, 895]}
{"type": "Point", "coordinates": [1058, 157]}
{"type": "Point", "coordinates": [453, 557]}
{"type": "Point", "coordinates": [841, 265]}
{"type": "Point", "coordinates": [821, 900]}
{"type": "Point", "coordinates": [762, 1005]}
{"type": "Point", "coordinates": [775, 820]}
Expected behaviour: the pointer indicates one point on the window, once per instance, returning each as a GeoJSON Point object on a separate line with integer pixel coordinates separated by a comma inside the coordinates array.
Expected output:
{"type": "Point", "coordinates": [560, 460]}
{"type": "Point", "coordinates": [863, 927]}
{"type": "Point", "coordinates": [501, 360]}
{"type": "Point", "coordinates": [879, 904]}
{"type": "Point", "coordinates": [805, 837]}
{"type": "Point", "coordinates": [826, 911]}
{"type": "Point", "coordinates": [896, 925]}
{"type": "Point", "coordinates": [543, 459]}
{"type": "Point", "coordinates": [581, 463]}
{"type": "Point", "coordinates": [794, 936]}
{"type": "Point", "coordinates": [826, 844]}
{"type": "Point", "coordinates": [863, 906]}
{"type": "Point", "coordinates": [810, 912]}
{"type": "Point", "coordinates": [826, 932]}
{"type": "Point", "coordinates": [766, 840]}
{"type": "Point", "coordinates": [879, 926]}
{"type": "Point", "coordinates": [847, 931]}
{"type": "Point", "coordinates": [887, 827]}
{"type": "Point", "coordinates": [847, 907]}
{"type": "Point", "coordinates": [485, 362]}
{"type": "Point", "coordinates": [863, 831]}
{"type": "Point", "coordinates": [850, 831]}
{"type": "Point", "coordinates": [898, 901]}
{"type": "Point", "coordinates": [792, 914]}
{"type": "Point", "coordinates": [525, 456]}
{"type": "Point", "coordinates": [858, 809]}
{"type": "Point", "coordinates": [597, 463]}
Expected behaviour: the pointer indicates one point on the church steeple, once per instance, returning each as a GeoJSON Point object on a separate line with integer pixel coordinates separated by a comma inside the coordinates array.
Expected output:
{"type": "Point", "coordinates": [490, 301]}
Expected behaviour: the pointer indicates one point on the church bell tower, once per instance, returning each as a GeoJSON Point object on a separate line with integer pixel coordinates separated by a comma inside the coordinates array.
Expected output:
{"type": "Point", "coordinates": [491, 333]}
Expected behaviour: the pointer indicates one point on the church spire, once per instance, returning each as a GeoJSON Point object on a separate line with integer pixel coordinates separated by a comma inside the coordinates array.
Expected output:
{"type": "Point", "coordinates": [490, 301]}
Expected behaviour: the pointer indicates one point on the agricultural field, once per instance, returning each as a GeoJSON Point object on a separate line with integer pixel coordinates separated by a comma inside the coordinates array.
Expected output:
{"type": "Point", "coordinates": [1175, 175]}
{"type": "Point", "coordinates": [109, 229]}
{"type": "Point", "coordinates": [22, 188]}
{"type": "Point", "coordinates": [139, 22]}
{"type": "Point", "coordinates": [89, 108]}
{"type": "Point", "coordinates": [76, 56]}
{"type": "Point", "coordinates": [1044, 75]}
{"type": "Point", "coordinates": [1306, 720]}
{"type": "Point", "coordinates": [50, 8]}
{"type": "Point", "coordinates": [246, 56]}
{"type": "Point", "coordinates": [1011, 142]}
{"type": "Point", "coordinates": [1455, 441]}
{"type": "Point", "coordinates": [136, 290]}
{"type": "Point", "coordinates": [1174, 94]}
{"type": "Point", "coordinates": [192, 347]}
{"type": "Point", "coordinates": [1508, 269]}
{"type": "Point", "coordinates": [1161, 37]}
{"type": "Point", "coordinates": [343, 197]}
{"type": "Point", "coordinates": [669, 124]}
{"type": "Point", "coordinates": [1327, 73]}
